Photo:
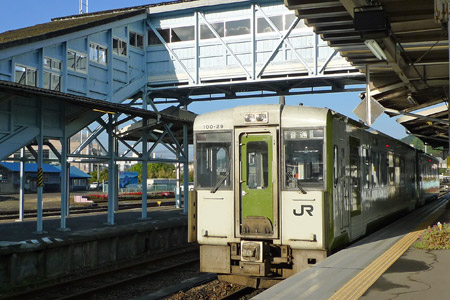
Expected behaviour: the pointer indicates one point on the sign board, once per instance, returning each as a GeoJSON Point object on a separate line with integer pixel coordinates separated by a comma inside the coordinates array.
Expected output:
{"type": "Point", "coordinates": [127, 178]}
{"type": "Point", "coordinates": [376, 109]}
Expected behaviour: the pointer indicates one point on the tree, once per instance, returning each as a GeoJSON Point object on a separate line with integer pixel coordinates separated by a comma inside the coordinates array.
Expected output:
{"type": "Point", "coordinates": [155, 170]}
{"type": "Point", "coordinates": [418, 144]}
{"type": "Point", "coordinates": [103, 176]}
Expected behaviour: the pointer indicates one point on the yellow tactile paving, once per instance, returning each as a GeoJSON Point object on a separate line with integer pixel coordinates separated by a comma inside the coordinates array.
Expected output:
{"type": "Point", "coordinates": [359, 284]}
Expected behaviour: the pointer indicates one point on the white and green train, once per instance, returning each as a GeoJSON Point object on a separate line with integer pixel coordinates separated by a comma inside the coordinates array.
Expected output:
{"type": "Point", "coordinates": [281, 187]}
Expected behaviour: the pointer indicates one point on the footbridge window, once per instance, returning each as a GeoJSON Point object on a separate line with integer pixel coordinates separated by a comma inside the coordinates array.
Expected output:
{"type": "Point", "coordinates": [136, 40]}
{"type": "Point", "coordinates": [25, 75]}
{"type": "Point", "coordinates": [119, 47]}
{"type": "Point", "coordinates": [52, 74]}
{"type": "Point", "coordinates": [172, 35]}
{"type": "Point", "coordinates": [77, 61]}
{"type": "Point", "coordinates": [282, 22]}
{"type": "Point", "coordinates": [239, 27]}
{"type": "Point", "coordinates": [264, 26]}
{"type": "Point", "coordinates": [97, 53]}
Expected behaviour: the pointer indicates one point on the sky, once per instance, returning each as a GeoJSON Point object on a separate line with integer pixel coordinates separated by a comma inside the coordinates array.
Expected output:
{"type": "Point", "coordinates": [23, 13]}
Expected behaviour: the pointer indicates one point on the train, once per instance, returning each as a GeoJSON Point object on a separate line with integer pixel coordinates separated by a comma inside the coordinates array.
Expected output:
{"type": "Point", "coordinates": [278, 188]}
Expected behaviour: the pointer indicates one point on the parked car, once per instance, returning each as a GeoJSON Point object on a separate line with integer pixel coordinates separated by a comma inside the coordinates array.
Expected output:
{"type": "Point", "coordinates": [165, 194]}
{"type": "Point", "coordinates": [93, 185]}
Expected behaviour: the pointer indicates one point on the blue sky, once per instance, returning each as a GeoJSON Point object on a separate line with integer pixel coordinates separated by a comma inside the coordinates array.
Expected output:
{"type": "Point", "coordinates": [22, 13]}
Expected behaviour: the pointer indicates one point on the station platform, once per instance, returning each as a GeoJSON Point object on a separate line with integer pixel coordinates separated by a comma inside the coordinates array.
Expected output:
{"type": "Point", "coordinates": [19, 233]}
{"type": "Point", "coordinates": [27, 257]}
{"type": "Point", "coordinates": [383, 265]}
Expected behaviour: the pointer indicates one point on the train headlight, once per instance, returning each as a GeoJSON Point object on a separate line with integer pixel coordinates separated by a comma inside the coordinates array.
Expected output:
{"type": "Point", "coordinates": [262, 117]}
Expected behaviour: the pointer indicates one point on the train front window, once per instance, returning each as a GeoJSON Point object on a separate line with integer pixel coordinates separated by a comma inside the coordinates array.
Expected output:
{"type": "Point", "coordinates": [303, 155]}
{"type": "Point", "coordinates": [213, 153]}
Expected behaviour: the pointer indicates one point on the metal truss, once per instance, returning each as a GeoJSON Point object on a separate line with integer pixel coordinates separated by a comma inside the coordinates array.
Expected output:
{"type": "Point", "coordinates": [257, 81]}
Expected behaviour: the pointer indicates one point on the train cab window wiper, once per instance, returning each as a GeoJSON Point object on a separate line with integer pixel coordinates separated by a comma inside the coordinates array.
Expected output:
{"type": "Point", "coordinates": [292, 178]}
{"type": "Point", "coordinates": [220, 180]}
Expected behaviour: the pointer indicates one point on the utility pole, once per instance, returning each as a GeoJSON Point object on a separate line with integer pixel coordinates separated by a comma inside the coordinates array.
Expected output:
{"type": "Point", "coordinates": [83, 7]}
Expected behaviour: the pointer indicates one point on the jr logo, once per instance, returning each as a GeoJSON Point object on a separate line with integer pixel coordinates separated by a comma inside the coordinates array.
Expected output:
{"type": "Point", "coordinates": [304, 208]}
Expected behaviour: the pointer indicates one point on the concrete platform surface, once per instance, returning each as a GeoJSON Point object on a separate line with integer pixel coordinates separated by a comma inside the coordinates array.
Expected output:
{"type": "Point", "coordinates": [15, 233]}
{"type": "Point", "coordinates": [416, 274]}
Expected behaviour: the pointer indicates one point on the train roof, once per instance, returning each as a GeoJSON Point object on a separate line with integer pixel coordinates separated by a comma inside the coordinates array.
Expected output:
{"type": "Point", "coordinates": [226, 118]}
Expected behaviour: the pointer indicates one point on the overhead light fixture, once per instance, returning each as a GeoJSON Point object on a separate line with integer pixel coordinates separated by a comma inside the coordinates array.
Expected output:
{"type": "Point", "coordinates": [411, 100]}
{"type": "Point", "coordinates": [371, 22]}
{"type": "Point", "coordinates": [375, 49]}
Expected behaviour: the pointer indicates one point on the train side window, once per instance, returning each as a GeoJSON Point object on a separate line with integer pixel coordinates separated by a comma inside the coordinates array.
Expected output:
{"type": "Point", "coordinates": [402, 171]}
{"type": "Point", "coordinates": [335, 165]}
{"type": "Point", "coordinates": [366, 167]}
{"type": "Point", "coordinates": [383, 169]}
{"type": "Point", "coordinates": [375, 169]}
{"type": "Point", "coordinates": [397, 170]}
{"type": "Point", "coordinates": [391, 169]}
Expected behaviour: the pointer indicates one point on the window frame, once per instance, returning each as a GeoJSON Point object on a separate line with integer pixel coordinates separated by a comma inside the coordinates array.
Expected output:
{"type": "Point", "coordinates": [320, 185]}
{"type": "Point", "coordinates": [25, 74]}
{"type": "Point", "coordinates": [134, 42]}
{"type": "Point", "coordinates": [230, 162]}
{"type": "Point", "coordinates": [76, 68]}
{"type": "Point", "coordinates": [120, 43]}
{"type": "Point", "coordinates": [96, 54]}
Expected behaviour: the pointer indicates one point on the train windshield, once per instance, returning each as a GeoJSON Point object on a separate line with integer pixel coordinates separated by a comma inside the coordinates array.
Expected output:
{"type": "Point", "coordinates": [213, 153]}
{"type": "Point", "coordinates": [303, 154]}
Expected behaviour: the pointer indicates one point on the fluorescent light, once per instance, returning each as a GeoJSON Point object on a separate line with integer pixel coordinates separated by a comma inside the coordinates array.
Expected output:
{"type": "Point", "coordinates": [375, 49]}
{"type": "Point", "coordinates": [411, 100]}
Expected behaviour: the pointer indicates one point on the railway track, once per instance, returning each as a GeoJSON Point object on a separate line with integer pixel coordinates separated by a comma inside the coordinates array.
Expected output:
{"type": "Point", "coordinates": [112, 283]}
{"type": "Point", "coordinates": [78, 210]}
{"type": "Point", "coordinates": [241, 293]}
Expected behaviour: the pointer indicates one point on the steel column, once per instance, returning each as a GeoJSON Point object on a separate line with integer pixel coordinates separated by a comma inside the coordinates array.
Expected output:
{"type": "Point", "coordinates": [368, 107]}
{"type": "Point", "coordinates": [177, 188]}
{"type": "Point", "coordinates": [145, 161]}
{"type": "Point", "coordinates": [111, 171]}
{"type": "Point", "coordinates": [40, 142]}
{"type": "Point", "coordinates": [22, 184]}
{"type": "Point", "coordinates": [186, 167]}
{"type": "Point", "coordinates": [64, 181]}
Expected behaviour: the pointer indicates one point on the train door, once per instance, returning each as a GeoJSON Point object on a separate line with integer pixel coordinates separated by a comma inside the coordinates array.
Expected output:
{"type": "Point", "coordinates": [340, 186]}
{"type": "Point", "coordinates": [257, 206]}
{"type": "Point", "coordinates": [355, 180]}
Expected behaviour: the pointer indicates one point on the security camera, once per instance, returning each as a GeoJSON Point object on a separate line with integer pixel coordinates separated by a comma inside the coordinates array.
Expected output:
{"type": "Point", "coordinates": [362, 96]}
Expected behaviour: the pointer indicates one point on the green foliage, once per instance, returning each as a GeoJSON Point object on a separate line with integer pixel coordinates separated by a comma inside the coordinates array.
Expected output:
{"type": "Point", "coordinates": [434, 238]}
{"type": "Point", "coordinates": [418, 144]}
{"type": "Point", "coordinates": [155, 170]}
{"type": "Point", "coordinates": [103, 176]}
{"type": "Point", "coordinates": [191, 177]}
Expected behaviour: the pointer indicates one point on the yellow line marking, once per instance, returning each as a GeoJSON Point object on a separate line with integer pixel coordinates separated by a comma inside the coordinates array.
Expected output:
{"type": "Point", "coordinates": [359, 284]}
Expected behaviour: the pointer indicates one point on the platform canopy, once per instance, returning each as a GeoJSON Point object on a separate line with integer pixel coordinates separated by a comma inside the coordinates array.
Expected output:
{"type": "Point", "coordinates": [405, 45]}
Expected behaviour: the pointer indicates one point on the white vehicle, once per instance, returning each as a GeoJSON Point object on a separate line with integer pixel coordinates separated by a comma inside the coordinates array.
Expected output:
{"type": "Point", "coordinates": [93, 186]}
{"type": "Point", "coordinates": [281, 187]}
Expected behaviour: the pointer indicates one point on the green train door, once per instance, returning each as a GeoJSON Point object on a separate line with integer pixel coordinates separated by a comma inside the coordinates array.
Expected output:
{"type": "Point", "coordinates": [257, 196]}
